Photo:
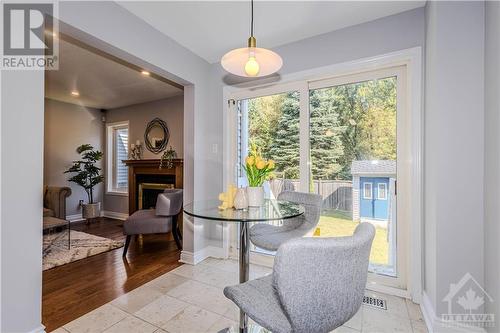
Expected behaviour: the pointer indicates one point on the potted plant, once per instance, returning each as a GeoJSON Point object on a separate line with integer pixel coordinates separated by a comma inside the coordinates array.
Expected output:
{"type": "Point", "coordinates": [258, 170]}
{"type": "Point", "coordinates": [87, 175]}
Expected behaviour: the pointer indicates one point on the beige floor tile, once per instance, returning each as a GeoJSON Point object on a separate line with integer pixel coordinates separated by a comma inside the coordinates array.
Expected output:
{"type": "Point", "coordinates": [192, 319]}
{"type": "Point", "coordinates": [230, 266]}
{"type": "Point", "coordinates": [344, 329]}
{"type": "Point", "coordinates": [221, 324]}
{"type": "Point", "coordinates": [137, 298]}
{"type": "Point", "coordinates": [131, 325]}
{"type": "Point", "coordinates": [205, 296]}
{"type": "Point", "coordinates": [167, 282]}
{"type": "Point", "coordinates": [189, 271]}
{"type": "Point", "coordinates": [233, 313]}
{"type": "Point", "coordinates": [97, 320]}
{"type": "Point", "coordinates": [395, 305]}
{"type": "Point", "coordinates": [59, 330]}
{"type": "Point", "coordinates": [414, 311]}
{"type": "Point", "coordinates": [419, 326]}
{"type": "Point", "coordinates": [161, 310]}
{"type": "Point", "coordinates": [381, 321]}
{"type": "Point", "coordinates": [216, 277]}
{"type": "Point", "coordinates": [356, 321]}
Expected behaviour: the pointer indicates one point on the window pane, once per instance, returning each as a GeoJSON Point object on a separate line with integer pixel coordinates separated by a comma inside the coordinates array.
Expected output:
{"type": "Point", "coordinates": [121, 153]}
{"type": "Point", "coordinates": [271, 123]}
{"type": "Point", "coordinates": [353, 162]}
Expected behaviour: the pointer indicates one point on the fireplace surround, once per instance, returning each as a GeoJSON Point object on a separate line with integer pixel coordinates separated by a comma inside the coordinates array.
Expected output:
{"type": "Point", "coordinates": [146, 176]}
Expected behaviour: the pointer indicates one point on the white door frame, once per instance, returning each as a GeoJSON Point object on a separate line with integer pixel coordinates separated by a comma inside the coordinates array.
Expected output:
{"type": "Point", "coordinates": [412, 59]}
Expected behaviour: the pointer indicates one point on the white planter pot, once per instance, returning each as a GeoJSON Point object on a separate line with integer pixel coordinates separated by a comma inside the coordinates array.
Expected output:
{"type": "Point", "coordinates": [255, 196]}
{"type": "Point", "coordinates": [91, 211]}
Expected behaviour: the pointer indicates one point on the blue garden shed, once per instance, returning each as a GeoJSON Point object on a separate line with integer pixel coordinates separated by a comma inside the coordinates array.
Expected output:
{"type": "Point", "coordinates": [373, 189]}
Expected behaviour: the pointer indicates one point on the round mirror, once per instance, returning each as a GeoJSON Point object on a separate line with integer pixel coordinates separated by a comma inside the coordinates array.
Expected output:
{"type": "Point", "coordinates": [156, 136]}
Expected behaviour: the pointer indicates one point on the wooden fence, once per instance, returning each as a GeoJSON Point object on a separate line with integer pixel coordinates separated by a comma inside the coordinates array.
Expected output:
{"type": "Point", "coordinates": [337, 194]}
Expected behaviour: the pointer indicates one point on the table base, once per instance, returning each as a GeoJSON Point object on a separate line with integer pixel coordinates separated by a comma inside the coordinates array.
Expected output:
{"type": "Point", "coordinates": [251, 328]}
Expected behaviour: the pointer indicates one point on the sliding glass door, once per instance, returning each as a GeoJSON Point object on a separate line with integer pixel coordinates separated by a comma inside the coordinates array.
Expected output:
{"type": "Point", "coordinates": [344, 138]}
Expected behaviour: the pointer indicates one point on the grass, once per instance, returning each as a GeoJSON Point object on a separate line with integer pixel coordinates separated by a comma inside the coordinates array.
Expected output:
{"type": "Point", "coordinates": [336, 224]}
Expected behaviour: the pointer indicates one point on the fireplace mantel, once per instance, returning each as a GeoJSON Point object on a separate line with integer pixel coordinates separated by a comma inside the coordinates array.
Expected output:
{"type": "Point", "coordinates": [149, 167]}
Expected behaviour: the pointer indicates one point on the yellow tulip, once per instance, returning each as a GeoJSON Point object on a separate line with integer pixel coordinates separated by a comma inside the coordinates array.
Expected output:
{"type": "Point", "coordinates": [271, 164]}
{"type": "Point", "coordinates": [261, 164]}
{"type": "Point", "coordinates": [250, 160]}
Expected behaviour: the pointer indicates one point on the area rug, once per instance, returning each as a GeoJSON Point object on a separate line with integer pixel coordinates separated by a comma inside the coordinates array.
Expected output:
{"type": "Point", "coordinates": [83, 245]}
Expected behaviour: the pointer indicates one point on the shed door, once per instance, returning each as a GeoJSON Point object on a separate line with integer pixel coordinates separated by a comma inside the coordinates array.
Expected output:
{"type": "Point", "coordinates": [374, 198]}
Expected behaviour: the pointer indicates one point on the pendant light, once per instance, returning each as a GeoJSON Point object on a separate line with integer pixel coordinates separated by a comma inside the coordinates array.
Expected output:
{"type": "Point", "coordinates": [251, 61]}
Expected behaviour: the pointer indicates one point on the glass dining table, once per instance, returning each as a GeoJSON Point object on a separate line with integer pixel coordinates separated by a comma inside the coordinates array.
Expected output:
{"type": "Point", "coordinates": [271, 210]}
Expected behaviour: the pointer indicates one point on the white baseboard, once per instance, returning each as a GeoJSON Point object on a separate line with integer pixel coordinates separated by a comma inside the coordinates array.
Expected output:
{"type": "Point", "coordinates": [436, 325]}
{"type": "Point", "coordinates": [74, 218]}
{"type": "Point", "coordinates": [114, 215]}
{"type": "Point", "coordinates": [191, 258]}
{"type": "Point", "coordinates": [39, 329]}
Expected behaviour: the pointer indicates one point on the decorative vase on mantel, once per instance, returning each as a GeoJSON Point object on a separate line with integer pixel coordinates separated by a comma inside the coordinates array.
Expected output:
{"type": "Point", "coordinates": [255, 196]}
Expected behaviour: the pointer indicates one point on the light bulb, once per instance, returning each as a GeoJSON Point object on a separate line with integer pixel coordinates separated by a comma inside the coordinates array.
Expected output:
{"type": "Point", "coordinates": [252, 66]}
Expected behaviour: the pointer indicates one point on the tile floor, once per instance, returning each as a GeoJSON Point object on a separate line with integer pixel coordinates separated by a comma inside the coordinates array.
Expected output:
{"type": "Point", "coordinates": [189, 299]}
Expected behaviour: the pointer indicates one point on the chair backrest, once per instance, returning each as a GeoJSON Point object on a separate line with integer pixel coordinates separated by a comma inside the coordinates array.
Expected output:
{"type": "Point", "coordinates": [169, 203]}
{"type": "Point", "coordinates": [311, 202]}
{"type": "Point", "coordinates": [321, 281]}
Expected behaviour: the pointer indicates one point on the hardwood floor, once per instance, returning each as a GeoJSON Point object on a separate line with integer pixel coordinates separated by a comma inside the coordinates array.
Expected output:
{"type": "Point", "coordinates": [74, 289]}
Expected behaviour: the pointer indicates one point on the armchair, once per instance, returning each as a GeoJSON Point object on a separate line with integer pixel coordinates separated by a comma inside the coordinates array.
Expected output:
{"type": "Point", "coordinates": [54, 201]}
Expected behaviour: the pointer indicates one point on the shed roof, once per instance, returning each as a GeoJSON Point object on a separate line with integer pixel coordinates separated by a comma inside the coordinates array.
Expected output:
{"type": "Point", "coordinates": [374, 167]}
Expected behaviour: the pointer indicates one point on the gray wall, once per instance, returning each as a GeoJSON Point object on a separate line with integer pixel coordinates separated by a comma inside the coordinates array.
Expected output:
{"type": "Point", "coordinates": [454, 146]}
{"type": "Point", "coordinates": [171, 110]}
{"type": "Point", "coordinates": [21, 200]}
{"type": "Point", "coordinates": [492, 157]}
{"type": "Point", "coordinates": [68, 126]}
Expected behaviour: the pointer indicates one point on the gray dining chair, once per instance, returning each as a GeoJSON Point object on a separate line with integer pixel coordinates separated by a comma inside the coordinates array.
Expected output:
{"type": "Point", "coordinates": [162, 219]}
{"type": "Point", "coordinates": [317, 284]}
{"type": "Point", "coordinates": [270, 237]}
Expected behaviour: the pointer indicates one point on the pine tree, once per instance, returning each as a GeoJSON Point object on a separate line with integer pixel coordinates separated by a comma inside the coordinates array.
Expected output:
{"type": "Point", "coordinates": [325, 131]}
{"type": "Point", "coordinates": [285, 146]}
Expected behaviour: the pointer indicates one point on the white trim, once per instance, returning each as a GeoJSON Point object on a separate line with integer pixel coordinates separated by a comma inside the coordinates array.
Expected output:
{"type": "Point", "coordinates": [74, 218]}
{"type": "Point", "coordinates": [117, 193]}
{"type": "Point", "coordinates": [114, 215]}
{"type": "Point", "coordinates": [378, 191]}
{"type": "Point", "coordinates": [191, 258]}
{"type": "Point", "coordinates": [412, 58]}
{"type": "Point", "coordinates": [365, 197]}
{"type": "Point", "coordinates": [436, 325]}
{"type": "Point", "coordinates": [388, 290]}
{"type": "Point", "coordinates": [39, 329]}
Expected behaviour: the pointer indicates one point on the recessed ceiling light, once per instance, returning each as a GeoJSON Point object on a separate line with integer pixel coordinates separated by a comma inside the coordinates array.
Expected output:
{"type": "Point", "coordinates": [145, 73]}
{"type": "Point", "coordinates": [75, 93]}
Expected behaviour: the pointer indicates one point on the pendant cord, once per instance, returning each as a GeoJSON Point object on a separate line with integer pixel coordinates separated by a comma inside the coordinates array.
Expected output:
{"type": "Point", "coordinates": [251, 22]}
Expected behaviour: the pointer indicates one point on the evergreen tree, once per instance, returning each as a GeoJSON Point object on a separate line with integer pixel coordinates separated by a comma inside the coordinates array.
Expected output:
{"type": "Point", "coordinates": [325, 141]}
{"type": "Point", "coordinates": [284, 148]}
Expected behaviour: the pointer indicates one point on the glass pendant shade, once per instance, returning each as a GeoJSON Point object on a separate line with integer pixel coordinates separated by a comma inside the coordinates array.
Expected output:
{"type": "Point", "coordinates": [251, 62]}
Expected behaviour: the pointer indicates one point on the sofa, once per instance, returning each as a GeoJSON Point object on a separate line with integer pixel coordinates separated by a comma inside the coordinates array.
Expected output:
{"type": "Point", "coordinates": [54, 201]}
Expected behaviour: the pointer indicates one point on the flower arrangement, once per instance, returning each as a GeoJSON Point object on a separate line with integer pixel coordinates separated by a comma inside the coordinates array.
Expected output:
{"type": "Point", "coordinates": [257, 168]}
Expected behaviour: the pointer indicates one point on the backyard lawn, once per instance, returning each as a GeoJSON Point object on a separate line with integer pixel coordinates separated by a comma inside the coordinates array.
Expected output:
{"type": "Point", "coordinates": [335, 224]}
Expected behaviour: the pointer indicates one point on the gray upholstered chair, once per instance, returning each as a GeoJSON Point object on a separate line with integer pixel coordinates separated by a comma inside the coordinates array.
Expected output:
{"type": "Point", "coordinates": [270, 237]}
{"type": "Point", "coordinates": [317, 284]}
{"type": "Point", "coordinates": [162, 219]}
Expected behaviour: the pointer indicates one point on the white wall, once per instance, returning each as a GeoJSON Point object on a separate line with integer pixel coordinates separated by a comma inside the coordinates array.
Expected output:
{"type": "Point", "coordinates": [66, 127]}
{"type": "Point", "coordinates": [454, 146]}
{"type": "Point", "coordinates": [21, 200]}
{"type": "Point", "coordinates": [492, 157]}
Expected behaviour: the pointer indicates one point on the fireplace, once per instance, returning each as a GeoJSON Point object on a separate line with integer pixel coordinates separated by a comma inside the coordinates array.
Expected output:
{"type": "Point", "coordinates": [147, 180]}
{"type": "Point", "coordinates": [148, 192]}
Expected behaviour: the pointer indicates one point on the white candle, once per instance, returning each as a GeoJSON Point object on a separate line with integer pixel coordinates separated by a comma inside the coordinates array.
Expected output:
{"type": "Point", "coordinates": [132, 146]}
{"type": "Point", "coordinates": [138, 142]}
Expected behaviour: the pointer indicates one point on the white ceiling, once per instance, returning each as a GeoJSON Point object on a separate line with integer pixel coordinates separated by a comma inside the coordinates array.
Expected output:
{"type": "Point", "coordinates": [211, 28]}
{"type": "Point", "coordinates": [101, 82]}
